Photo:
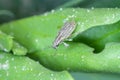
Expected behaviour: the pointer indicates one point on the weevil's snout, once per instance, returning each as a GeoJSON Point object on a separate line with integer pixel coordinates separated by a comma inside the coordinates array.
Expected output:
{"type": "Point", "coordinates": [55, 46]}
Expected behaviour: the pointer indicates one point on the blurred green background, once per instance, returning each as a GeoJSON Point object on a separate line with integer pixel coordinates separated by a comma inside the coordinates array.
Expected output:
{"type": "Point", "coordinates": [16, 9]}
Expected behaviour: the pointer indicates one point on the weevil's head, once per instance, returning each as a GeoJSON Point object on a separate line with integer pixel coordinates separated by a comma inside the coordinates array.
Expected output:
{"type": "Point", "coordinates": [55, 45]}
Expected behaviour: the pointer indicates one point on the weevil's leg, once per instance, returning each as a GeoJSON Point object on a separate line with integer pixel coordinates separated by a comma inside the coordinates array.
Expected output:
{"type": "Point", "coordinates": [69, 39]}
{"type": "Point", "coordinates": [65, 44]}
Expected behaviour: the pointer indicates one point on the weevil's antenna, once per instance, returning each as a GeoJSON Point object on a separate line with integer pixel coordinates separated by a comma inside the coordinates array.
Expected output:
{"type": "Point", "coordinates": [47, 47]}
{"type": "Point", "coordinates": [54, 48]}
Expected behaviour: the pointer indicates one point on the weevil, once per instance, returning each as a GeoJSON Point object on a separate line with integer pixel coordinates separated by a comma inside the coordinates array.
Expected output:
{"type": "Point", "coordinates": [64, 33]}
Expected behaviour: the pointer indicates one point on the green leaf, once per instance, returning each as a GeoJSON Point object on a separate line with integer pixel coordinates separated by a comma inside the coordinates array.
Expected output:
{"type": "Point", "coordinates": [18, 49]}
{"type": "Point", "coordinates": [98, 36]}
{"type": "Point", "coordinates": [6, 42]}
{"type": "Point", "coordinates": [79, 57]}
{"type": "Point", "coordinates": [23, 68]}
{"type": "Point", "coordinates": [38, 32]}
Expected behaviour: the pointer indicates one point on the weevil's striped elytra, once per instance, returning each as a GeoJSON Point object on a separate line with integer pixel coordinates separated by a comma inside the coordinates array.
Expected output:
{"type": "Point", "coordinates": [64, 33]}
